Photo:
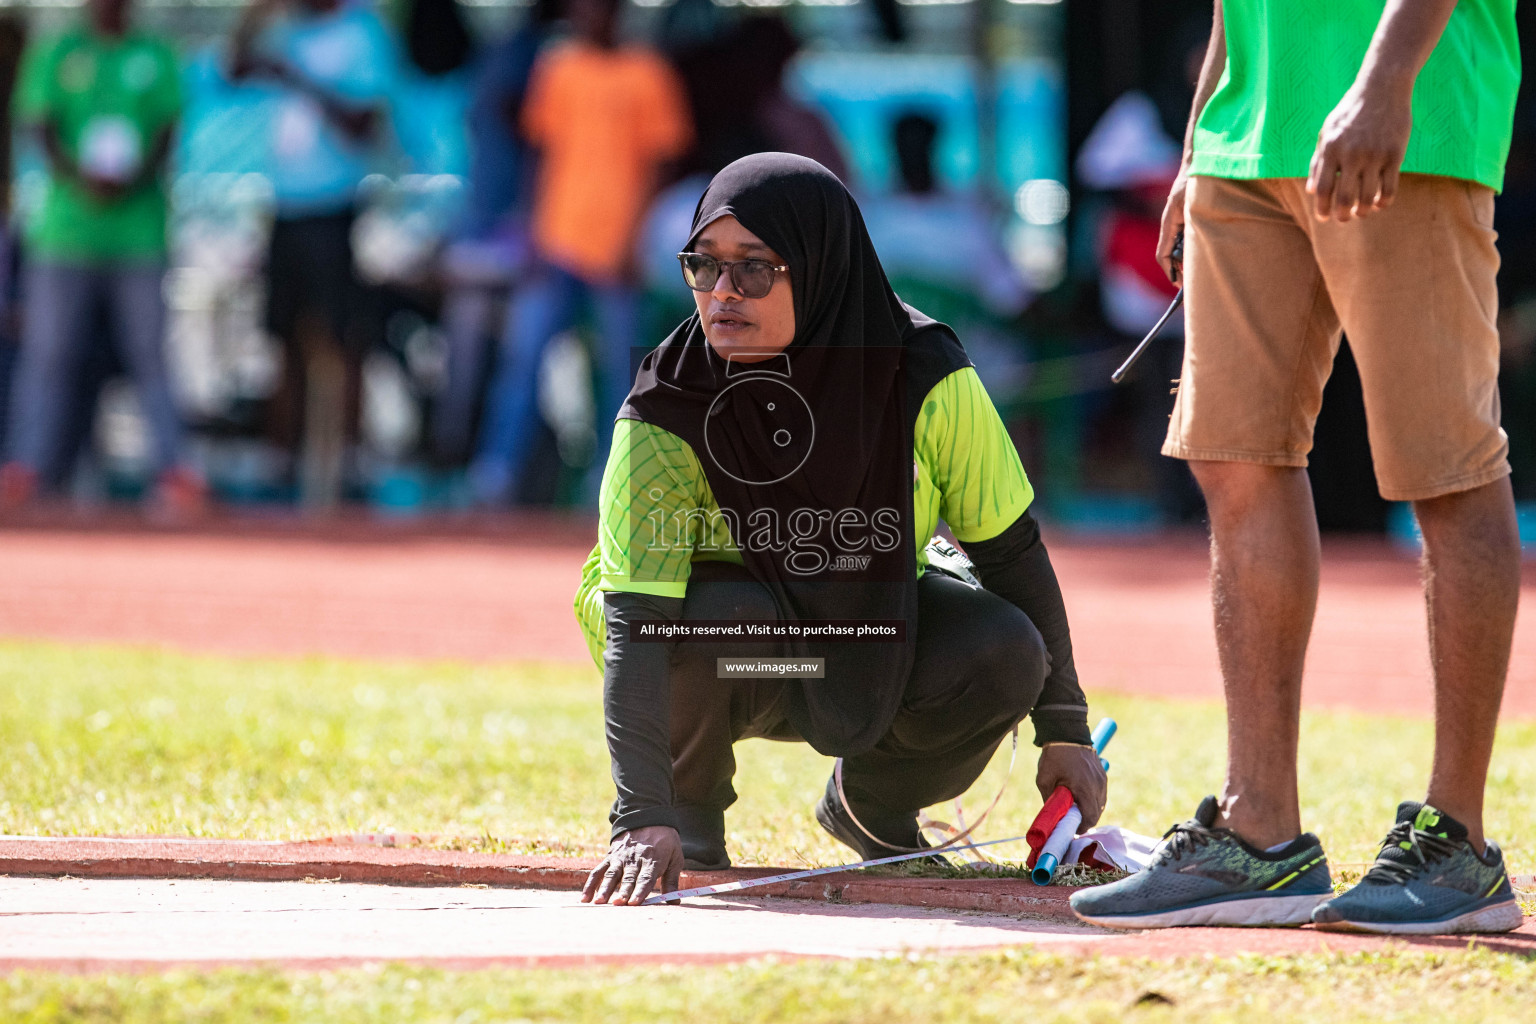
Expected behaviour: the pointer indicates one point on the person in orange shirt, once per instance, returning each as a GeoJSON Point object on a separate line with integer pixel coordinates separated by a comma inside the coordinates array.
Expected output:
{"type": "Point", "coordinates": [606, 119]}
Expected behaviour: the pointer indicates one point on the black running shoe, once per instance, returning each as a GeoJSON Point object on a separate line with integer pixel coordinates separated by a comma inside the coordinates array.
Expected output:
{"type": "Point", "coordinates": [833, 816]}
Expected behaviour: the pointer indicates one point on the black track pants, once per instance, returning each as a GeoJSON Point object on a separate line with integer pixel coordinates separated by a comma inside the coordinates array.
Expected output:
{"type": "Point", "coordinates": [979, 668]}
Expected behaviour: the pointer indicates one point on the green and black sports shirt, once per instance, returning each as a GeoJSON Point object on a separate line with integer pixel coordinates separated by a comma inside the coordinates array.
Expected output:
{"type": "Point", "coordinates": [659, 515]}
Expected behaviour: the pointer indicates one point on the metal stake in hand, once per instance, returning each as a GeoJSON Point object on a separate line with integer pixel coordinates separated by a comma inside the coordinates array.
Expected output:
{"type": "Point", "coordinates": [1177, 256]}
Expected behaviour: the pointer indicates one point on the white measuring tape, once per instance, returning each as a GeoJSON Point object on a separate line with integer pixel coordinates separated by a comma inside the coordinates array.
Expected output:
{"type": "Point", "coordinates": [1060, 836]}
{"type": "Point", "coordinates": [752, 883]}
{"type": "Point", "coordinates": [951, 845]}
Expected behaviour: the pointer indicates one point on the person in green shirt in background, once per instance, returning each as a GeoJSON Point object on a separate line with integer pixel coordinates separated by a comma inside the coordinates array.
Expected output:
{"type": "Point", "coordinates": [103, 100]}
{"type": "Point", "coordinates": [1339, 173]}
{"type": "Point", "coordinates": [13, 41]}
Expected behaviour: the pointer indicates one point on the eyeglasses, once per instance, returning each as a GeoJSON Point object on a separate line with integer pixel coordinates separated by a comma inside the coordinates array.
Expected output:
{"type": "Point", "coordinates": [752, 278]}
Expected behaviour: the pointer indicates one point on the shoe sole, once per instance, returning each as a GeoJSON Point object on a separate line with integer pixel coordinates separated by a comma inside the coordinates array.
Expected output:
{"type": "Point", "coordinates": [1501, 917]}
{"type": "Point", "coordinates": [1252, 912]}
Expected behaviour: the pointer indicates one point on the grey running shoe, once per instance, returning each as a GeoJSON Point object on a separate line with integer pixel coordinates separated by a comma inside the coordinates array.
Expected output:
{"type": "Point", "coordinates": [1427, 880]}
{"type": "Point", "coordinates": [1202, 875]}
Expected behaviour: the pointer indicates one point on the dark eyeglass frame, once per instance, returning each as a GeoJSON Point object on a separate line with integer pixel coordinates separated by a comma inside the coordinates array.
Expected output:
{"type": "Point", "coordinates": [728, 267]}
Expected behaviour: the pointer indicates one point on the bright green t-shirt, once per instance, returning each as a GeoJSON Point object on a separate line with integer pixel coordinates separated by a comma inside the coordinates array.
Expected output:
{"type": "Point", "coordinates": [1289, 62]}
{"type": "Point", "coordinates": [109, 99]}
{"type": "Point", "coordinates": [659, 515]}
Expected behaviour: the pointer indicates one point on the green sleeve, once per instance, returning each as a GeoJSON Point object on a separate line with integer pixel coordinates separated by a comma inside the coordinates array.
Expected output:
{"type": "Point", "coordinates": [36, 81]}
{"type": "Point", "coordinates": [962, 440]}
{"type": "Point", "coordinates": [653, 503]}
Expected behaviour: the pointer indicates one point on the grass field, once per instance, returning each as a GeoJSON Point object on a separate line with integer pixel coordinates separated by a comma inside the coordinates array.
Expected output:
{"type": "Point", "coordinates": [105, 740]}
{"type": "Point", "coordinates": [113, 741]}
{"type": "Point", "coordinates": [1405, 987]}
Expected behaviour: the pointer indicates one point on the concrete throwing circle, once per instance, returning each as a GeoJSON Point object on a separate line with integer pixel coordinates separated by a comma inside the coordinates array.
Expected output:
{"type": "Point", "coordinates": [785, 413]}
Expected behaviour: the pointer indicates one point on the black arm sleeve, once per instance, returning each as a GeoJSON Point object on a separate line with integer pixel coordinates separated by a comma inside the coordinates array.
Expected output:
{"type": "Point", "coordinates": [1014, 565]}
{"type": "Point", "coordinates": [637, 712]}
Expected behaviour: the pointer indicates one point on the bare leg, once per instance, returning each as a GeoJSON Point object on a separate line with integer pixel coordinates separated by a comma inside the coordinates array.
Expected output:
{"type": "Point", "coordinates": [1471, 585]}
{"type": "Point", "coordinates": [325, 414]}
{"type": "Point", "coordinates": [1264, 573]}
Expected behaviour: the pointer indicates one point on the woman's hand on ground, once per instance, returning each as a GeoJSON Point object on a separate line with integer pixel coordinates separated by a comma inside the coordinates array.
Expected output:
{"type": "Point", "coordinates": [637, 862]}
{"type": "Point", "coordinates": [1077, 768]}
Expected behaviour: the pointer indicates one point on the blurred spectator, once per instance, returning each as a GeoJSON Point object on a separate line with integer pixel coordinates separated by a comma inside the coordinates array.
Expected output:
{"type": "Point", "coordinates": [104, 99]}
{"type": "Point", "coordinates": [431, 102]}
{"type": "Point", "coordinates": [729, 63]}
{"type": "Point", "coordinates": [948, 245]}
{"type": "Point", "coordinates": [735, 83]}
{"type": "Point", "coordinates": [436, 38]}
{"type": "Point", "coordinates": [687, 24]}
{"type": "Point", "coordinates": [943, 250]}
{"type": "Point", "coordinates": [335, 67]}
{"type": "Point", "coordinates": [501, 163]}
{"type": "Point", "coordinates": [1131, 162]}
{"type": "Point", "coordinates": [606, 119]}
{"type": "Point", "coordinates": [1515, 221]}
{"type": "Point", "coordinates": [13, 37]}
{"type": "Point", "coordinates": [492, 248]}
{"type": "Point", "coordinates": [766, 45]}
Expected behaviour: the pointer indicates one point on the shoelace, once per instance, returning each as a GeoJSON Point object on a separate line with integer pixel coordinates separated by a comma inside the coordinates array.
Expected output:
{"type": "Point", "coordinates": [1185, 837]}
{"type": "Point", "coordinates": [1425, 846]}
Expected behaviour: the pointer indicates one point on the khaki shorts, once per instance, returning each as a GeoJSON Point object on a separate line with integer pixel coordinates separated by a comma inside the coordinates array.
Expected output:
{"type": "Point", "coordinates": [1413, 286]}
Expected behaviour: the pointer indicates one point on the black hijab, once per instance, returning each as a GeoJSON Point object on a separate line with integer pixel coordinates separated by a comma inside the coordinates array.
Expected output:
{"type": "Point", "coordinates": [809, 453]}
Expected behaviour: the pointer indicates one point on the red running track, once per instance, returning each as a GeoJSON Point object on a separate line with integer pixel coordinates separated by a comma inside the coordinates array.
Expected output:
{"type": "Point", "coordinates": [1140, 611]}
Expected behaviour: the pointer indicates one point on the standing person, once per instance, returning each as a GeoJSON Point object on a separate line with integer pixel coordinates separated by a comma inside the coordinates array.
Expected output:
{"type": "Point", "coordinates": [734, 78]}
{"type": "Point", "coordinates": [1130, 163]}
{"type": "Point", "coordinates": [782, 460]}
{"type": "Point", "coordinates": [13, 38]}
{"type": "Point", "coordinates": [103, 98]}
{"type": "Point", "coordinates": [971, 273]}
{"type": "Point", "coordinates": [605, 118]}
{"type": "Point", "coordinates": [1354, 192]}
{"type": "Point", "coordinates": [335, 66]}
{"type": "Point", "coordinates": [490, 253]}
{"type": "Point", "coordinates": [765, 45]}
